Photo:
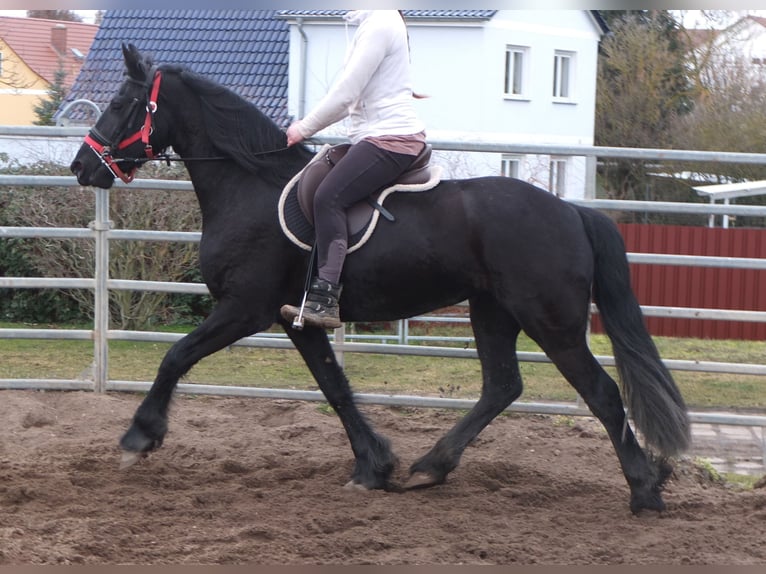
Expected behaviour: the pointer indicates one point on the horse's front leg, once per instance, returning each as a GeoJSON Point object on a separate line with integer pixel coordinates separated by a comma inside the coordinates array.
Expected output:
{"type": "Point", "coordinates": [225, 325]}
{"type": "Point", "coordinates": [374, 460]}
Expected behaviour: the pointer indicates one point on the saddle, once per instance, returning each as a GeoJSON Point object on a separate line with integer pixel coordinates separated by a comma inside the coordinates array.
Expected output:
{"type": "Point", "coordinates": [358, 214]}
{"type": "Point", "coordinates": [296, 213]}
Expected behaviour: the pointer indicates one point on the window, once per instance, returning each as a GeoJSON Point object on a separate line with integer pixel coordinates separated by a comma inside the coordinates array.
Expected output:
{"type": "Point", "coordinates": [509, 166]}
{"type": "Point", "coordinates": [557, 176]}
{"type": "Point", "coordinates": [563, 70]}
{"type": "Point", "coordinates": [515, 71]}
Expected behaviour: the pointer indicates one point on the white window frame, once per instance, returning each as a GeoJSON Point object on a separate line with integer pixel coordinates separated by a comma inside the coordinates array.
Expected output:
{"type": "Point", "coordinates": [563, 76]}
{"type": "Point", "coordinates": [510, 165]}
{"type": "Point", "coordinates": [515, 72]}
{"type": "Point", "coordinates": [557, 176]}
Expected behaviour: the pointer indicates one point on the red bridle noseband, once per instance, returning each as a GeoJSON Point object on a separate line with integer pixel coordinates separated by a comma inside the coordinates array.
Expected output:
{"type": "Point", "coordinates": [103, 148]}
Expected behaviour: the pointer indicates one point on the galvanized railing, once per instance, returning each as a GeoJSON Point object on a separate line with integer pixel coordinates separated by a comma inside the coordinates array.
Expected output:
{"type": "Point", "coordinates": [102, 232]}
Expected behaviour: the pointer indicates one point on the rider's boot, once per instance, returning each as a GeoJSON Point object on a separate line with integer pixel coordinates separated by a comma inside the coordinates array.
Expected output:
{"type": "Point", "coordinates": [321, 308]}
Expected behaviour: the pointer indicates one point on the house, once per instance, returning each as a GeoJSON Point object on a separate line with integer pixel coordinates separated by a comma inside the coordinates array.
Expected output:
{"type": "Point", "coordinates": [745, 38]}
{"type": "Point", "coordinates": [738, 50]}
{"type": "Point", "coordinates": [523, 76]}
{"type": "Point", "coordinates": [245, 50]}
{"type": "Point", "coordinates": [517, 76]}
{"type": "Point", "coordinates": [32, 51]}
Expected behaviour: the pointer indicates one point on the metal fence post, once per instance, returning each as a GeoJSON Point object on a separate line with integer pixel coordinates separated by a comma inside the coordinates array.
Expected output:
{"type": "Point", "coordinates": [101, 227]}
{"type": "Point", "coordinates": [590, 176]}
{"type": "Point", "coordinates": [339, 337]}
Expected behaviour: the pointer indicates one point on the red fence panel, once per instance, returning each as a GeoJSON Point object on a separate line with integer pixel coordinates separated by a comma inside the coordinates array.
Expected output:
{"type": "Point", "coordinates": [698, 287]}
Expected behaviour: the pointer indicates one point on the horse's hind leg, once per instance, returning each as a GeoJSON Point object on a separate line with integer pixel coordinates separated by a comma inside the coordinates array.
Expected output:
{"type": "Point", "coordinates": [224, 326]}
{"type": "Point", "coordinates": [374, 461]}
{"type": "Point", "coordinates": [496, 332]}
{"type": "Point", "coordinates": [601, 393]}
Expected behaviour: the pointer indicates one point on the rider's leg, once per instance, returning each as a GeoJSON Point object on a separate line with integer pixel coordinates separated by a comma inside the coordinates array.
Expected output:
{"type": "Point", "coordinates": [363, 170]}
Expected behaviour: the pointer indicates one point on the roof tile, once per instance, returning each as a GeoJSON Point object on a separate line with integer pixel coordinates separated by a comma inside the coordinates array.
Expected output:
{"type": "Point", "coordinates": [31, 40]}
{"type": "Point", "coordinates": [236, 48]}
{"type": "Point", "coordinates": [410, 14]}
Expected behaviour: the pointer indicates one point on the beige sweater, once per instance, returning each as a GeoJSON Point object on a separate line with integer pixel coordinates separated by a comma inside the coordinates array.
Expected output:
{"type": "Point", "coordinates": [374, 89]}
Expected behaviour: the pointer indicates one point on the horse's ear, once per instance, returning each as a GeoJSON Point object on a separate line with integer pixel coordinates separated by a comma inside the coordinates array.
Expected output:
{"type": "Point", "coordinates": [137, 65]}
{"type": "Point", "coordinates": [131, 55]}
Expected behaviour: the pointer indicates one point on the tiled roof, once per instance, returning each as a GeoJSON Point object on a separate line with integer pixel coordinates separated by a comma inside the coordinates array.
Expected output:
{"type": "Point", "coordinates": [425, 15]}
{"type": "Point", "coordinates": [31, 40]}
{"type": "Point", "coordinates": [414, 14]}
{"type": "Point", "coordinates": [244, 50]}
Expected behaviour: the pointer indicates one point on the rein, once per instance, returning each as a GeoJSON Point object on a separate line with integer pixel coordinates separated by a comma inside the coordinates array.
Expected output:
{"type": "Point", "coordinates": [168, 158]}
{"type": "Point", "coordinates": [102, 147]}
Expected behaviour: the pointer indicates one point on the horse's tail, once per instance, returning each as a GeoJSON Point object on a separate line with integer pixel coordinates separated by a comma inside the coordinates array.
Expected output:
{"type": "Point", "coordinates": [649, 392]}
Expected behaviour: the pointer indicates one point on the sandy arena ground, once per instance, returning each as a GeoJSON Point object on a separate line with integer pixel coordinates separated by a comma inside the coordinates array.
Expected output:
{"type": "Point", "coordinates": [260, 481]}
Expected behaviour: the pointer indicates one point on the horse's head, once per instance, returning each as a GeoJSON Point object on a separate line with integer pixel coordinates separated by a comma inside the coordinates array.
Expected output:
{"type": "Point", "coordinates": [119, 143]}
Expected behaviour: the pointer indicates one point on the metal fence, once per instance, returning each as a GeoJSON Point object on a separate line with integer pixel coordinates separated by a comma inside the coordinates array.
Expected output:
{"type": "Point", "coordinates": [101, 232]}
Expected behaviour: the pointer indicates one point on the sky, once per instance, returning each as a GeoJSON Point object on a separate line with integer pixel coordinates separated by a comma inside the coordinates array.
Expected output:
{"type": "Point", "coordinates": [88, 16]}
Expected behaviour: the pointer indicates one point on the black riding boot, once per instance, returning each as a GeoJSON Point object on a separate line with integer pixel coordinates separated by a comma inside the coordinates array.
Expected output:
{"type": "Point", "coordinates": [321, 309]}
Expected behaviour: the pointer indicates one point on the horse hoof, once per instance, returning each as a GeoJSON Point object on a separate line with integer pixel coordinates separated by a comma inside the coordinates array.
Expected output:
{"type": "Point", "coordinates": [129, 458]}
{"type": "Point", "coordinates": [420, 480]}
{"type": "Point", "coordinates": [652, 503]}
{"type": "Point", "coordinates": [351, 485]}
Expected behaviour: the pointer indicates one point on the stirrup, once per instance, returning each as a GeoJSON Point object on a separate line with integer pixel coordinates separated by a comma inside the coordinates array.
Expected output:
{"type": "Point", "coordinates": [309, 313]}
{"type": "Point", "coordinates": [298, 320]}
{"type": "Point", "coordinates": [320, 303]}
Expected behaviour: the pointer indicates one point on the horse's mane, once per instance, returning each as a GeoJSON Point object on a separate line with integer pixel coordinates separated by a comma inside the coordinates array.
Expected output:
{"type": "Point", "coordinates": [236, 127]}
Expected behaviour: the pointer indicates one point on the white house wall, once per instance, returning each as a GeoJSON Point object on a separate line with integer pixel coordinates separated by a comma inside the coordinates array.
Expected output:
{"type": "Point", "coordinates": [540, 119]}
{"type": "Point", "coordinates": [746, 44]}
{"type": "Point", "coordinates": [460, 66]}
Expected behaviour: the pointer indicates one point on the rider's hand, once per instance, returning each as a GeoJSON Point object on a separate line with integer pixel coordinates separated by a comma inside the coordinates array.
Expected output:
{"type": "Point", "coordinates": [293, 135]}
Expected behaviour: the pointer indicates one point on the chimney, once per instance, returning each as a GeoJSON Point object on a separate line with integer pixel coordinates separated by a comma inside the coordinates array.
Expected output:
{"type": "Point", "coordinates": [58, 39]}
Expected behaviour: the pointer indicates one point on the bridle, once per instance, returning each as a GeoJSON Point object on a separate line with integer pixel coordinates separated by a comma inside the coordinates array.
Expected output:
{"type": "Point", "coordinates": [103, 148]}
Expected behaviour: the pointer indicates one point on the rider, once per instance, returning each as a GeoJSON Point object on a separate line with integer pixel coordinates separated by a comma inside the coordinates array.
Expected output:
{"type": "Point", "coordinates": [374, 90]}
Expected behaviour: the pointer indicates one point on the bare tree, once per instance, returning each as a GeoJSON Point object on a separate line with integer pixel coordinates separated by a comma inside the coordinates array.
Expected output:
{"type": "Point", "coordinates": [11, 76]}
{"type": "Point", "coordinates": [64, 15]}
{"type": "Point", "coordinates": [642, 87]}
{"type": "Point", "coordinates": [731, 110]}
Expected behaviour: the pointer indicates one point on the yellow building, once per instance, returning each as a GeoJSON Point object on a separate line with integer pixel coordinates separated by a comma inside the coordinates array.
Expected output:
{"type": "Point", "coordinates": [31, 52]}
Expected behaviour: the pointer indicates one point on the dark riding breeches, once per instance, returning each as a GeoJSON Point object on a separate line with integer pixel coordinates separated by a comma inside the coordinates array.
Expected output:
{"type": "Point", "coordinates": [364, 170]}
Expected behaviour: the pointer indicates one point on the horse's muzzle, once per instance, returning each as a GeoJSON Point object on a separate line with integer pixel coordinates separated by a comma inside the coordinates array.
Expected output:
{"type": "Point", "coordinates": [90, 175]}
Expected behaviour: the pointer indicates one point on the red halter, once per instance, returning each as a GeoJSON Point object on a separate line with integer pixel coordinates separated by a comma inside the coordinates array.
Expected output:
{"type": "Point", "coordinates": [104, 150]}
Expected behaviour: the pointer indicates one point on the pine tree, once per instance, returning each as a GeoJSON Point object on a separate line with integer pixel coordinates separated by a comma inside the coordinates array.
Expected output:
{"type": "Point", "coordinates": [48, 106]}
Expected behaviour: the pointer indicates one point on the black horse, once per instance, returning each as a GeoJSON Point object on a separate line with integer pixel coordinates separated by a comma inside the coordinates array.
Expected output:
{"type": "Point", "coordinates": [524, 259]}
